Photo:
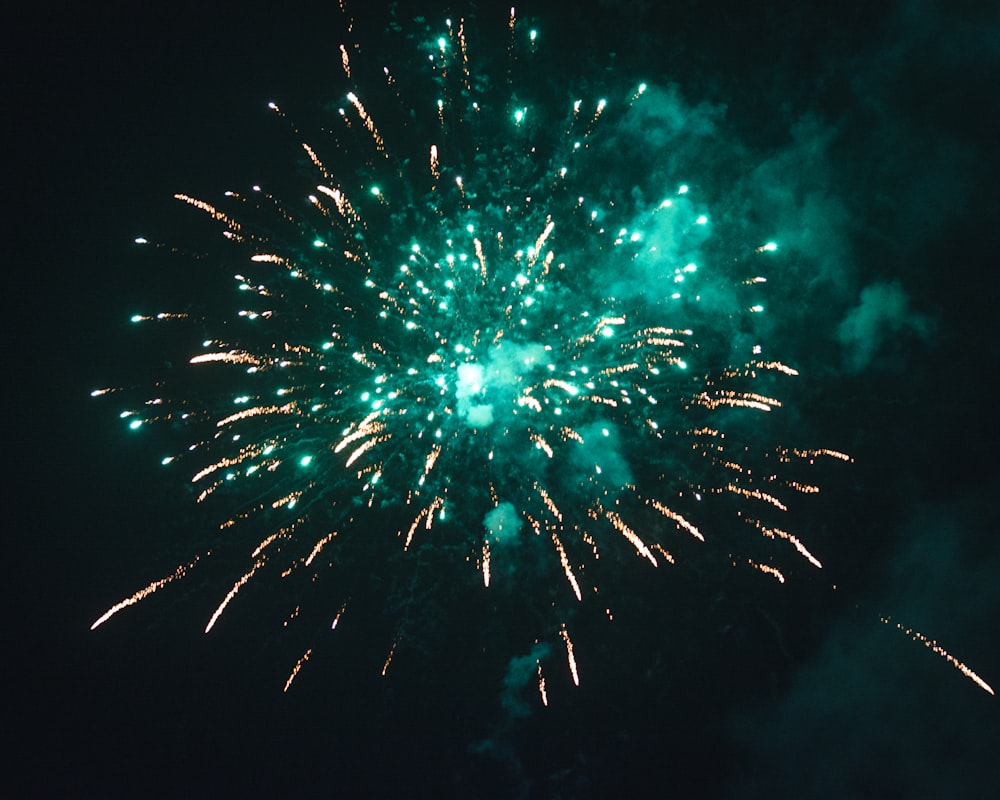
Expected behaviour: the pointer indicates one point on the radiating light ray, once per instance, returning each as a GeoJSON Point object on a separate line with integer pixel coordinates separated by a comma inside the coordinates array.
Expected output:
{"type": "Point", "coordinates": [934, 647]}
{"type": "Point", "coordinates": [541, 686]}
{"type": "Point", "coordinates": [145, 592]}
{"type": "Point", "coordinates": [232, 593]}
{"type": "Point", "coordinates": [570, 657]}
{"type": "Point", "coordinates": [296, 668]}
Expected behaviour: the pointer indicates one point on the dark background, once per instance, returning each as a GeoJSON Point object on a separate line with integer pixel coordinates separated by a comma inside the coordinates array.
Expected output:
{"type": "Point", "coordinates": [868, 131]}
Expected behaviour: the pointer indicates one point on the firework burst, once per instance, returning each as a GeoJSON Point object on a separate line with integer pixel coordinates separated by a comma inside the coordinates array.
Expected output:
{"type": "Point", "coordinates": [474, 342]}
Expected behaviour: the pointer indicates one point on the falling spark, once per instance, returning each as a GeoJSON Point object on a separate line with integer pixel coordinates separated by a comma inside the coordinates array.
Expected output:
{"type": "Point", "coordinates": [143, 593]}
{"type": "Point", "coordinates": [934, 647]}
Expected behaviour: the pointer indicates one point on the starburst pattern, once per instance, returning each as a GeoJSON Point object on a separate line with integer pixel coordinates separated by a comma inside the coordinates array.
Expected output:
{"type": "Point", "coordinates": [472, 328]}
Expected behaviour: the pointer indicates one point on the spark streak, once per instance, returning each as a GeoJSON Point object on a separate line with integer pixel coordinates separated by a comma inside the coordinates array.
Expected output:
{"type": "Point", "coordinates": [143, 593]}
{"type": "Point", "coordinates": [934, 647]}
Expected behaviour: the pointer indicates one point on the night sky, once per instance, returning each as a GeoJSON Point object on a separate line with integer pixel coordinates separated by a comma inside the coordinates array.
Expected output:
{"type": "Point", "coordinates": [865, 132]}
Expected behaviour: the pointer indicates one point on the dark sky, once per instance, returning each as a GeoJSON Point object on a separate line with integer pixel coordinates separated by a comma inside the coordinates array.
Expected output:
{"type": "Point", "coordinates": [866, 132]}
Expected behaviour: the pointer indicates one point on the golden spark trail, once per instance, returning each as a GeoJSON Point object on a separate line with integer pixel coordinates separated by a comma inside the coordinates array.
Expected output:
{"type": "Point", "coordinates": [143, 593]}
{"type": "Point", "coordinates": [631, 536]}
{"type": "Point", "coordinates": [296, 668]}
{"type": "Point", "coordinates": [934, 647]}
{"type": "Point", "coordinates": [570, 657]}
{"type": "Point", "coordinates": [232, 593]}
